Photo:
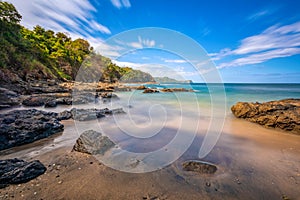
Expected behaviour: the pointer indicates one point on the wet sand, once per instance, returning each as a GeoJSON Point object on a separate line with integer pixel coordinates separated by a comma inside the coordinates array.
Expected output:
{"type": "Point", "coordinates": [253, 163]}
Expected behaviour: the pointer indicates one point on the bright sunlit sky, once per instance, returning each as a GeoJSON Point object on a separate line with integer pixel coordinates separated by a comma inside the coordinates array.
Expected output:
{"type": "Point", "coordinates": [248, 40]}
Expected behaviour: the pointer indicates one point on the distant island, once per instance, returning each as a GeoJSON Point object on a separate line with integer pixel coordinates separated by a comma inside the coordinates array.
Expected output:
{"type": "Point", "coordinates": [170, 80]}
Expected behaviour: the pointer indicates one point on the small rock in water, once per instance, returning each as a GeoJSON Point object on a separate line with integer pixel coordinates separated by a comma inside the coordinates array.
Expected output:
{"type": "Point", "coordinates": [148, 90]}
{"type": "Point", "coordinates": [199, 166]}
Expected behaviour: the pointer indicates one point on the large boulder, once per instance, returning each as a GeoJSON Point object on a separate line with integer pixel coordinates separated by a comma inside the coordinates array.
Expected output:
{"type": "Point", "coordinates": [25, 126]}
{"type": "Point", "coordinates": [14, 171]}
{"type": "Point", "coordinates": [92, 142]}
{"type": "Point", "coordinates": [282, 114]}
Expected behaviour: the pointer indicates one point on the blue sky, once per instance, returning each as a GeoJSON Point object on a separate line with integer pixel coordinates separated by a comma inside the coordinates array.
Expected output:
{"type": "Point", "coordinates": [249, 41]}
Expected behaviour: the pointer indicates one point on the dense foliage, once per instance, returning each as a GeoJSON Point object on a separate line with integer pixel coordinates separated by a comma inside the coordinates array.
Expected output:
{"type": "Point", "coordinates": [44, 54]}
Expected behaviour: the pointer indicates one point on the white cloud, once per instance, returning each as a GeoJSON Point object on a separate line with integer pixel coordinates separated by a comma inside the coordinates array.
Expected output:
{"type": "Point", "coordinates": [261, 57]}
{"type": "Point", "coordinates": [71, 16]}
{"type": "Point", "coordinates": [100, 27]}
{"type": "Point", "coordinates": [111, 51]}
{"type": "Point", "coordinates": [139, 44]}
{"type": "Point", "coordinates": [121, 3]}
{"type": "Point", "coordinates": [257, 15]}
{"type": "Point", "coordinates": [175, 61]}
{"type": "Point", "coordinates": [275, 42]}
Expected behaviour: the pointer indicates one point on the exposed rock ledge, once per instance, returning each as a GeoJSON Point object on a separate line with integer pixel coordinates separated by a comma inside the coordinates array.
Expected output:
{"type": "Point", "coordinates": [14, 171]}
{"type": "Point", "coordinates": [282, 114]}
{"type": "Point", "coordinates": [20, 127]}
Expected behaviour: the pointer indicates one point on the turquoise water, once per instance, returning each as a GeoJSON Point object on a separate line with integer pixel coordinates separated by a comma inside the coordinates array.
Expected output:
{"type": "Point", "coordinates": [238, 92]}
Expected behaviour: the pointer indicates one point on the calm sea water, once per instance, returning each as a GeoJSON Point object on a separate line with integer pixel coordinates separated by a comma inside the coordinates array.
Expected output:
{"type": "Point", "coordinates": [238, 92]}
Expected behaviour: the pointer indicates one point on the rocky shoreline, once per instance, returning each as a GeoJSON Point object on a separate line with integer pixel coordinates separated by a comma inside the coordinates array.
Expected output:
{"type": "Point", "coordinates": [282, 114]}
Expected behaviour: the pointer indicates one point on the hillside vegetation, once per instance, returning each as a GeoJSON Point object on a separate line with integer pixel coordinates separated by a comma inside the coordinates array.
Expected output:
{"type": "Point", "coordinates": [39, 54]}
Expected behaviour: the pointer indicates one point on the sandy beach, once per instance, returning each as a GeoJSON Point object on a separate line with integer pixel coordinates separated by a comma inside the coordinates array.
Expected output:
{"type": "Point", "coordinates": [253, 163]}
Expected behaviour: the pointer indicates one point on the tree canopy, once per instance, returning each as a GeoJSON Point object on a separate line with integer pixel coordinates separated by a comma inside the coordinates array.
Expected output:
{"type": "Point", "coordinates": [44, 54]}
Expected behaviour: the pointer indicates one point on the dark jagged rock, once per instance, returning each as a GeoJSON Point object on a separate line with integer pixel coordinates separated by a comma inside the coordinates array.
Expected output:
{"type": "Point", "coordinates": [14, 171]}
{"type": "Point", "coordinates": [8, 98]}
{"type": "Point", "coordinates": [51, 103]}
{"type": "Point", "coordinates": [199, 167]}
{"type": "Point", "coordinates": [282, 114]}
{"type": "Point", "coordinates": [64, 101]}
{"type": "Point", "coordinates": [64, 115]}
{"type": "Point", "coordinates": [88, 114]}
{"type": "Point", "coordinates": [148, 90]}
{"type": "Point", "coordinates": [108, 95]}
{"type": "Point", "coordinates": [92, 142]}
{"type": "Point", "coordinates": [25, 126]}
{"type": "Point", "coordinates": [34, 101]}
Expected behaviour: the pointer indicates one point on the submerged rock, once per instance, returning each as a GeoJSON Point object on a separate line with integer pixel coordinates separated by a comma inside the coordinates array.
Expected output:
{"type": "Point", "coordinates": [14, 171]}
{"type": "Point", "coordinates": [176, 90]}
{"type": "Point", "coordinates": [92, 142]}
{"type": "Point", "coordinates": [199, 167]}
{"type": "Point", "coordinates": [25, 126]}
{"type": "Point", "coordinates": [282, 114]}
{"type": "Point", "coordinates": [148, 90]}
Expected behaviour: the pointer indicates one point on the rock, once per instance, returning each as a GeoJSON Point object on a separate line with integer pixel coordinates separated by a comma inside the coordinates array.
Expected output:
{"type": "Point", "coordinates": [34, 101]}
{"type": "Point", "coordinates": [88, 114]}
{"type": "Point", "coordinates": [64, 115]}
{"type": "Point", "coordinates": [148, 90]}
{"type": "Point", "coordinates": [166, 90]}
{"type": "Point", "coordinates": [282, 114]}
{"type": "Point", "coordinates": [199, 167]}
{"type": "Point", "coordinates": [92, 142]}
{"type": "Point", "coordinates": [64, 101]}
{"type": "Point", "coordinates": [25, 126]}
{"type": "Point", "coordinates": [42, 87]}
{"type": "Point", "coordinates": [14, 171]}
{"type": "Point", "coordinates": [141, 87]}
{"type": "Point", "coordinates": [51, 103]}
{"type": "Point", "coordinates": [123, 89]}
{"type": "Point", "coordinates": [8, 98]}
{"type": "Point", "coordinates": [176, 90]}
{"type": "Point", "coordinates": [108, 95]}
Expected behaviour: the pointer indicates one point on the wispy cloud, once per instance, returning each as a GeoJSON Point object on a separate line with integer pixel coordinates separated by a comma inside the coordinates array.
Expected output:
{"type": "Point", "coordinates": [72, 16]}
{"type": "Point", "coordinates": [261, 57]}
{"type": "Point", "coordinates": [138, 44]}
{"type": "Point", "coordinates": [121, 3]}
{"type": "Point", "coordinates": [175, 61]}
{"type": "Point", "coordinates": [258, 15]}
{"type": "Point", "coordinates": [274, 42]}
